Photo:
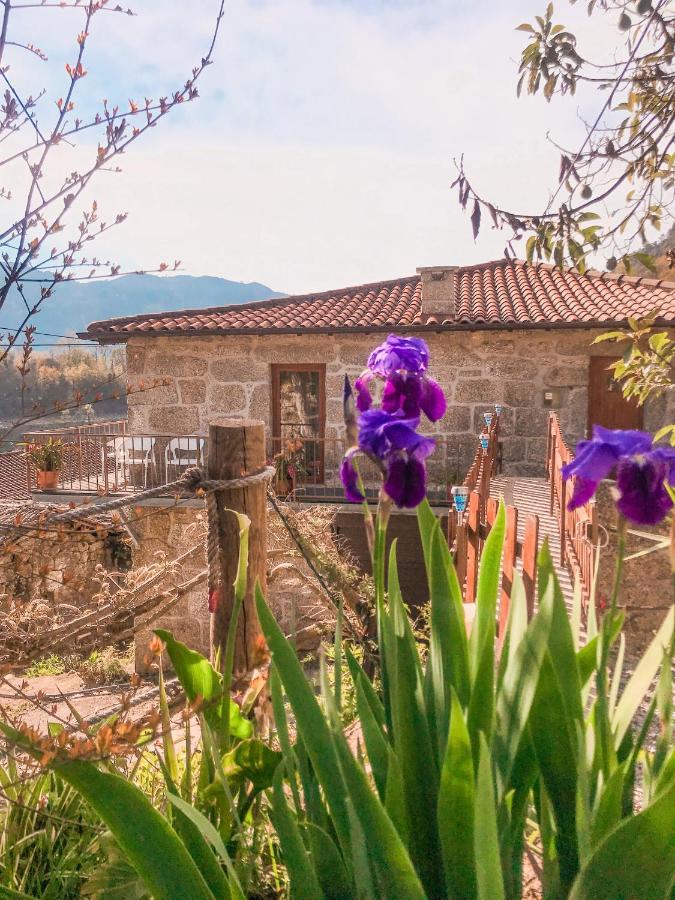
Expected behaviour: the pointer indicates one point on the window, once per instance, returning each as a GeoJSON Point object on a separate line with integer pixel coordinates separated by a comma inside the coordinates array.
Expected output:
{"type": "Point", "coordinates": [299, 414]}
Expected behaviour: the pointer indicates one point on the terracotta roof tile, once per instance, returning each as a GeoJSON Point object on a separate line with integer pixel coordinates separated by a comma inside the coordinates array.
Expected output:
{"type": "Point", "coordinates": [506, 292]}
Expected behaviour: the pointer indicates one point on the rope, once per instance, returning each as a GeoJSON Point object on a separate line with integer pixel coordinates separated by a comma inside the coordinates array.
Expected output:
{"type": "Point", "coordinates": [193, 481]}
{"type": "Point", "coordinates": [335, 601]}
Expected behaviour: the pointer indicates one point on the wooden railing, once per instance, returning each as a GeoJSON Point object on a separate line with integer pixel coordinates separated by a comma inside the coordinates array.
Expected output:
{"type": "Point", "coordinates": [106, 459]}
{"type": "Point", "coordinates": [467, 537]}
{"type": "Point", "coordinates": [13, 482]}
{"type": "Point", "coordinates": [578, 528]}
{"type": "Point", "coordinates": [484, 466]}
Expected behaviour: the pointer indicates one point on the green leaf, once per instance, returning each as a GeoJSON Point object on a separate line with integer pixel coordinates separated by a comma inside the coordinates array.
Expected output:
{"type": "Point", "coordinates": [447, 663]}
{"type": "Point", "coordinates": [240, 583]}
{"type": "Point", "coordinates": [209, 833]}
{"type": "Point", "coordinates": [664, 432]}
{"type": "Point", "coordinates": [304, 882]}
{"type": "Point", "coordinates": [375, 741]}
{"type": "Point", "coordinates": [395, 797]}
{"type": "Point", "coordinates": [363, 872]}
{"type": "Point", "coordinates": [482, 640]}
{"type": "Point", "coordinates": [358, 675]}
{"type": "Point", "coordinates": [328, 864]}
{"type": "Point", "coordinates": [486, 843]}
{"type": "Point", "coordinates": [609, 336]}
{"type": "Point", "coordinates": [530, 247]}
{"type": "Point", "coordinates": [519, 683]}
{"type": "Point", "coordinates": [194, 841]}
{"type": "Point", "coordinates": [199, 679]}
{"type": "Point", "coordinates": [561, 641]}
{"type": "Point", "coordinates": [411, 738]}
{"type": "Point", "coordinates": [555, 749]}
{"type": "Point", "coordinates": [426, 522]}
{"type": "Point", "coordinates": [526, 27]}
{"type": "Point", "coordinates": [283, 735]}
{"type": "Point", "coordinates": [167, 740]}
{"type": "Point", "coordinates": [386, 852]}
{"type": "Point", "coordinates": [456, 808]}
{"type": "Point", "coordinates": [608, 813]}
{"type": "Point", "coordinates": [254, 760]}
{"type": "Point", "coordinates": [483, 631]}
{"type": "Point", "coordinates": [636, 860]}
{"type": "Point", "coordinates": [142, 833]}
{"type": "Point", "coordinates": [642, 677]}
{"type": "Point", "coordinates": [311, 724]}
{"type": "Point", "coordinates": [647, 261]}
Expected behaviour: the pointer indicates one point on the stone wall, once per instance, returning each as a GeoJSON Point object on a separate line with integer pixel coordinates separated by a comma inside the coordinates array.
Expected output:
{"type": "Point", "coordinates": [293, 592]}
{"type": "Point", "coordinates": [645, 592]}
{"type": "Point", "coordinates": [57, 566]}
{"type": "Point", "coordinates": [230, 375]}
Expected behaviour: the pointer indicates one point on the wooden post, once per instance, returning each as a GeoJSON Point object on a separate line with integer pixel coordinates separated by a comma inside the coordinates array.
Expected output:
{"type": "Point", "coordinates": [530, 550]}
{"type": "Point", "coordinates": [491, 512]}
{"type": "Point", "coordinates": [473, 547]}
{"type": "Point", "coordinates": [237, 447]}
{"type": "Point", "coordinates": [562, 520]}
{"type": "Point", "coordinates": [510, 555]}
{"type": "Point", "coordinates": [460, 554]}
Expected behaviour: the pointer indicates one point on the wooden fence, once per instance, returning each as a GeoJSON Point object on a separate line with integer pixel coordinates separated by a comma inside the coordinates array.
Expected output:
{"type": "Point", "coordinates": [466, 538]}
{"type": "Point", "coordinates": [578, 528]}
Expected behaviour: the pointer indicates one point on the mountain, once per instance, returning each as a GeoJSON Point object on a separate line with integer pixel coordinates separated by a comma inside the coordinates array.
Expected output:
{"type": "Point", "coordinates": [662, 252]}
{"type": "Point", "coordinates": [75, 304]}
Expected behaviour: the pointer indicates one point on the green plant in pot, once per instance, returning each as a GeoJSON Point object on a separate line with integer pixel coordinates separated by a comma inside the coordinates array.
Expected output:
{"type": "Point", "coordinates": [289, 464]}
{"type": "Point", "coordinates": [47, 458]}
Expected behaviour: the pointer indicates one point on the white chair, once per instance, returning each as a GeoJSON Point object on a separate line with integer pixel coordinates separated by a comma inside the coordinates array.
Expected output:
{"type": "Point", "coordinates": [124, 452]}
{"type": "Point", "coordinates": [183, 452]}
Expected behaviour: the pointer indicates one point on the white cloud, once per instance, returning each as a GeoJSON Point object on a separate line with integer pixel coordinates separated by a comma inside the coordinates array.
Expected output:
{"type": "Point", "coordinates": [321, 151]}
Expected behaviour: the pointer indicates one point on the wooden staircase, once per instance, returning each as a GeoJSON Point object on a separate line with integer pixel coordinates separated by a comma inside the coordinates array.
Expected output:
{"type": "Point", "coordinates": [532, 497]}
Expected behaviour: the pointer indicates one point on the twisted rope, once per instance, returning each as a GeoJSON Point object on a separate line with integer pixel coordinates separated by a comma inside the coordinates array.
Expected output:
{"type": "Point", "coordinates": [193, 481]}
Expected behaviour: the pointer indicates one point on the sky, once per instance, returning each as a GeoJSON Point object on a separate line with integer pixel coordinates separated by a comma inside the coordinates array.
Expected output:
{"type": "Point", "coordinates": [320, 153]}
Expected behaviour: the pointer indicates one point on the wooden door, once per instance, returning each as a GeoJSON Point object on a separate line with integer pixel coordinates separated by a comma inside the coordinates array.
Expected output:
{"type": "Point", "coordinates": [606, 403]}
{"type": "Point", "coordinates": [299, 413]}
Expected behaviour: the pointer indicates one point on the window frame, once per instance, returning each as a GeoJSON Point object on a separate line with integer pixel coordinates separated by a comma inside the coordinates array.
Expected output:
{"type": "Point", "coordinates": [276, 370]}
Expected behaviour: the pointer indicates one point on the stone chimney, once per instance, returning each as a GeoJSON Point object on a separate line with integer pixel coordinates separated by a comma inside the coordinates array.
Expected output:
{"type": "Point", "coordinates": [438, 291]}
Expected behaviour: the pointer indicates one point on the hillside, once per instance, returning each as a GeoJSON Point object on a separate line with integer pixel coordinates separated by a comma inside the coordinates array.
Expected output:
{"type": "Point", "coordinates": [75, 304]}
{"type": "Point", "coordinates": [663, 255]}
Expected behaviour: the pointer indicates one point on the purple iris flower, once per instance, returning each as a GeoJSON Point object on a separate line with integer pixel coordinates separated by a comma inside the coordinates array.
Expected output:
{"type": "Point", "coordinates": [350, 477]}
{"type": "Point", "coordinates": [401, 451]}
{"type": "Point", "coordinates": [642, 473]}
{"type": "Point", "coordinates": [364, 399]}
{"type": "Point", "coordinates": [381, 433]}
{"type": "Point", "coordinates": [399, 354]}
{"type": "Point", "coordinates": [410, 394]}
{"type": "Point", "coordinates": [402, 363]}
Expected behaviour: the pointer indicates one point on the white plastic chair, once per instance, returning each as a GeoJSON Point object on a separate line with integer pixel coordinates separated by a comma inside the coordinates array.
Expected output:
{"type": "Point", "coordinates": [122, 453]}
{"type": "Point", "coordinates": [183, 452]}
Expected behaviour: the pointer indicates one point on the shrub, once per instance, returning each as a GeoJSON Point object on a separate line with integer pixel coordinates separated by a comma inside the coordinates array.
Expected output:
{"type": "Point", "coordinates": [461, 751]}
{"type": "Point", "coordinates": [49, 836]}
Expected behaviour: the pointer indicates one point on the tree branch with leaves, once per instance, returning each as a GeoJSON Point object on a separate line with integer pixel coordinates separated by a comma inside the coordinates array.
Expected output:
{"type": "Point", "coordinates": [619, 182]}
{"type": "Point", "coordinates": [46, 238]}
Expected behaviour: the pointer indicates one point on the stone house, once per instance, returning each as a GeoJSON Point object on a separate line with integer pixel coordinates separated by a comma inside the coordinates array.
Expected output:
{"type": "Point", "coordinates": [504, 332]}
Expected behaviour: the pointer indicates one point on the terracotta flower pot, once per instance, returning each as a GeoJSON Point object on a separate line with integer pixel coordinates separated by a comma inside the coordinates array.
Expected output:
{"type": "Point", "coordinates": [282, 487]}
{"type": "Point", "coordinates": [48, 481]}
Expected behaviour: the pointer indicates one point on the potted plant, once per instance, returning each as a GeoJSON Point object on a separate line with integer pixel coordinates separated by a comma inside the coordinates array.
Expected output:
{"type": "Point", "coordinates": [48, 461]}
{"type": "Point", "coordinates": [289, 464]}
